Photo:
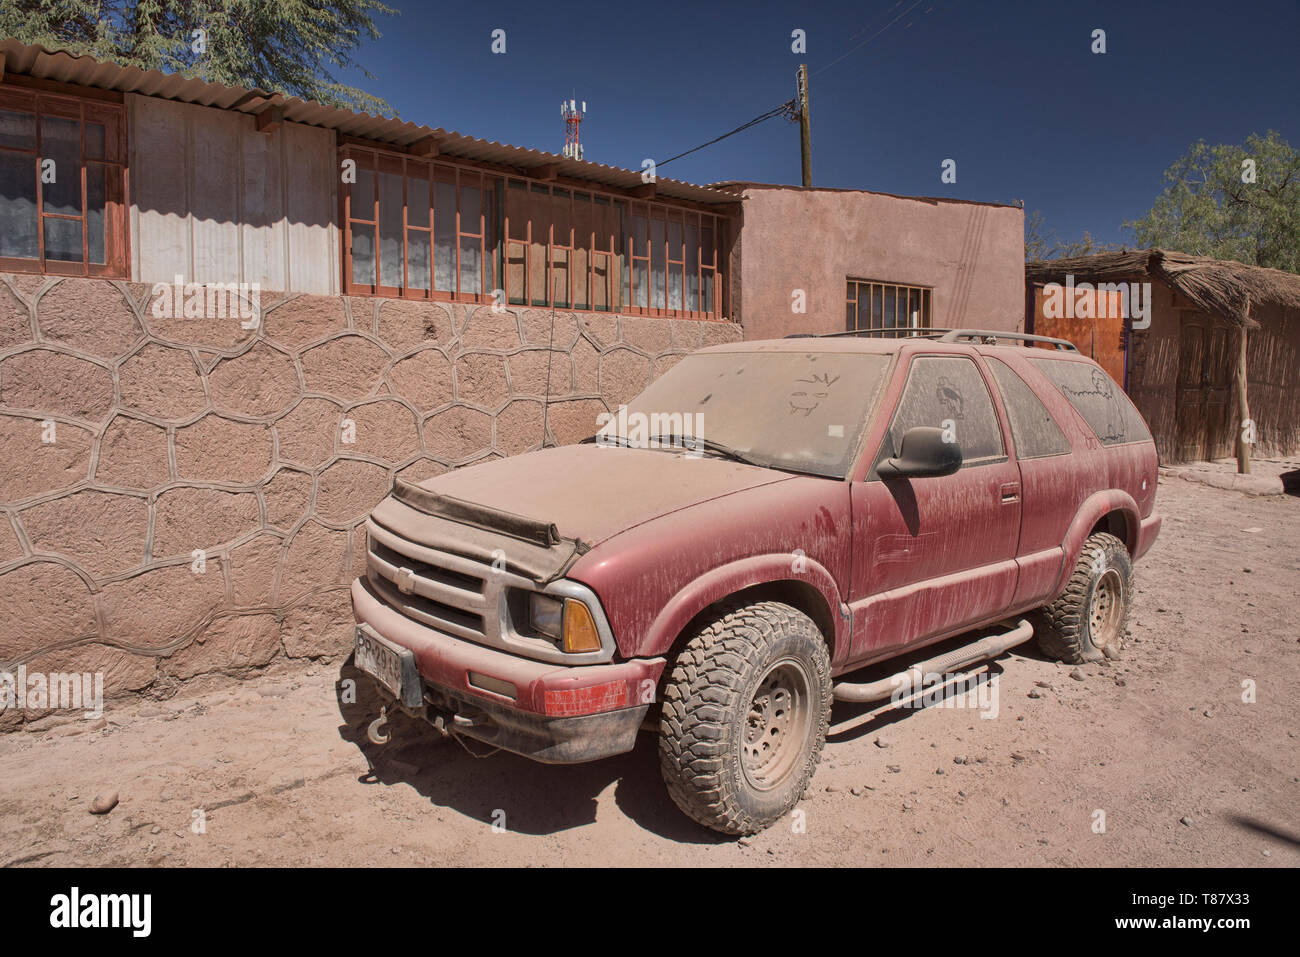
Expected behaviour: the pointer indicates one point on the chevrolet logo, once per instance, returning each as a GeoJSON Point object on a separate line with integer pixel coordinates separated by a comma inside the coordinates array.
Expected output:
{"type": "Point", "coordinates": [405, 581]}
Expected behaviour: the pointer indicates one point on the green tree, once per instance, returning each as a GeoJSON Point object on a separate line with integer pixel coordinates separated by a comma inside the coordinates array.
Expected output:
{"type": "Point", "coordinates": [1230, 202]}
{"type": "Point", "coordinates": [292, 47]}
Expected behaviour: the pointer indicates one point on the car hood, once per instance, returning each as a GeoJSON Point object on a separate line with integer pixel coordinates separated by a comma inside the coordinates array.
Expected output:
{"type": "Point", "coordinates": [591, 492]}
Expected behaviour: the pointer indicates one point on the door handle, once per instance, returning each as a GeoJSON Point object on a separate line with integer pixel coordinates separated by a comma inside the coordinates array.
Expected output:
{"type": "Point", "coordinates": [1010, 492]}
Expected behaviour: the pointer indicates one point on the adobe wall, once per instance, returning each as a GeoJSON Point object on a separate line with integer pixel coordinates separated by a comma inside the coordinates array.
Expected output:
{"type": "Point", "coordinates": [130, 443]}
{"type": "Point", "coordinates": [971, 254]}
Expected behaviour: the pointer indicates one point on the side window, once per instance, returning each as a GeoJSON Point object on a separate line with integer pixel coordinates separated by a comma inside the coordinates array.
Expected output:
{"type": "Point", "coordinates": [1032, 426]}
{"type": "Point", "coordinates": [62, 185]}
{"type": "Point", "coordinates": [948, 393]}
{"type": "Point", "coordinates": [1097, 398]}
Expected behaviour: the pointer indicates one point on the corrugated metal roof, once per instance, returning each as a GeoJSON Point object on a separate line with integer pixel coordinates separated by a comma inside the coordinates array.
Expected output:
{"type": "Point", "coordinates": [44, 63]}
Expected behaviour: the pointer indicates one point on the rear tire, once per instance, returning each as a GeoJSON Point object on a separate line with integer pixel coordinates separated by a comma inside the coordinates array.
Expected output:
{"type": "Point", "coordinates": [1087, 621]}
{"type": "Point", "coordinates": [744, 717]}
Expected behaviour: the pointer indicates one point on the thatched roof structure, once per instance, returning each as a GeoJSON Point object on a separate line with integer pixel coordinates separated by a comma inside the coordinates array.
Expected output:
{"type": "Point", "coordinates": [1218, 286]}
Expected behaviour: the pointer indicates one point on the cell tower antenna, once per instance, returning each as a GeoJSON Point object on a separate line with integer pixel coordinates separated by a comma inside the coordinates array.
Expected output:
{"type": "Point", "coordinates": [573, 111]}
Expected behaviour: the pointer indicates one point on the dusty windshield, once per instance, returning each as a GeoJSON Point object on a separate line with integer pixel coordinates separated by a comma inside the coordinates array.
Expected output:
{"type": "Point", "coordinates": [802, 411]}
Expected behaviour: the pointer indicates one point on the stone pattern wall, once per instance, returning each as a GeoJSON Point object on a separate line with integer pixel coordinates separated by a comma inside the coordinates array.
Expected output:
{"type": "Point", "coordinates": [128, 443]}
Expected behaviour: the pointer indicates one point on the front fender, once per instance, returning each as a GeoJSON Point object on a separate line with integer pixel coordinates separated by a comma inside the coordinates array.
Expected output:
{"type": "Point", "coordinates": [735, 576]}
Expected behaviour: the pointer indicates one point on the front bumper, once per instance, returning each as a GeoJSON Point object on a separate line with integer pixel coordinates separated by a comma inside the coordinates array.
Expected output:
{"type": "Point", "coordinates": [551, 713]}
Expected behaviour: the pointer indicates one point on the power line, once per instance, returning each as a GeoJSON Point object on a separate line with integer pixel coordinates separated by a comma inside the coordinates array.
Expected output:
{"type": "Point", "coordinates": [790, 107]}
{"type": "Point", "coordinates": [787, 108]}
{"type": "Point", "coordinates": [859, 46]}
{"type": "Point", "coordinates": [873, 23]}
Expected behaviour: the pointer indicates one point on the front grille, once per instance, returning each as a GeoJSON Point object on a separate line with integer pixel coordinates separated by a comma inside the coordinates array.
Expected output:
{"type": "Point", "coordinates": [450, 593]}
{"type": "Point", "coordinates": [452, 579]}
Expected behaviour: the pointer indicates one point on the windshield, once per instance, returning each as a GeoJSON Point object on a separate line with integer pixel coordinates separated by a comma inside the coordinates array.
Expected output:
{"type": "Point", "coordinates": [802, 411]}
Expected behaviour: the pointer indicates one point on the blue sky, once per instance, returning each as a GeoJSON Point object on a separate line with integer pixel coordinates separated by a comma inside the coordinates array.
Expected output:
{"type": "Point", "coordinates": [1010, 90]}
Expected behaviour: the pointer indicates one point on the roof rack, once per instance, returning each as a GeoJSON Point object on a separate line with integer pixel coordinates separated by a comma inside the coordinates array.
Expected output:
{"type": "Point", "coordinates": [929, 333]}
{"type": "Point", "coordinates": [991, 337]}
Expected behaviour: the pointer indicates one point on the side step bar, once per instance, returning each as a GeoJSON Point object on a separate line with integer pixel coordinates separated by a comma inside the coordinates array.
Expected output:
{"type": "Point", "coordinates": [908, 682]}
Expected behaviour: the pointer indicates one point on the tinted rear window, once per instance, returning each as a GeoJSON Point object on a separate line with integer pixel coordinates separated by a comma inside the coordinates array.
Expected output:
{"type": "Point", "coordinates": [1097, 398]}
{"type": "Point", "coordinates": [1032, 426]}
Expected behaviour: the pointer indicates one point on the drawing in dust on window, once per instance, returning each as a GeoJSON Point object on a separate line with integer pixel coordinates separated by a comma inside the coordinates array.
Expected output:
{"type": "Point", "coordinates": [950, 398]}
{"type": "Point", "coordinates": [1114, 414]}
{"type": "Point", "coordinates": [803, 401]}
{"type": "Point", "coordinates": [1110, 427]}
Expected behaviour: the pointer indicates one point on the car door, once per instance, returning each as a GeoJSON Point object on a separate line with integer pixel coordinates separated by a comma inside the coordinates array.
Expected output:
{"type": "Point", "coordinates": [1054, 478]}
{"type": "Point", "coordinates": [933, 555]}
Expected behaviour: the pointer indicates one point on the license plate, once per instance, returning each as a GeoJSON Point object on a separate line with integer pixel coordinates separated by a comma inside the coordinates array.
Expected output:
{"type": "Point", "coordinates": [391, 665]}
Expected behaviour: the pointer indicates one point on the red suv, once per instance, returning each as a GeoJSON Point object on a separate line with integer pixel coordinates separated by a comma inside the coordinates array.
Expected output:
{"type": "Point", "coordinates": [762, 520]}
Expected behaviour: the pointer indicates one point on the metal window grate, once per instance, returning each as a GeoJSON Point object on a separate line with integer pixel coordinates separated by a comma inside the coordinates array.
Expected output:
{"type": "Point", "coordinates": [872, 305]}
{"type": "Point", "coordinates": [428, 229]}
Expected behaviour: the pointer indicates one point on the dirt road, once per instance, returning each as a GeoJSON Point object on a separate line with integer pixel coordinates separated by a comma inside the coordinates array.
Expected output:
{"type": "Point", "coordinates": [276, 771]}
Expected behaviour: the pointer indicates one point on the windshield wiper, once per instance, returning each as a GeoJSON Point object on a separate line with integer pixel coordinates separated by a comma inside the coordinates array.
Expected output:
{"type": "Point", "coordinates": [674, 442]}
{"type": "Point", "coordinates": [605, 440]}
{"type": "Point", "coordinates": [694, 442]}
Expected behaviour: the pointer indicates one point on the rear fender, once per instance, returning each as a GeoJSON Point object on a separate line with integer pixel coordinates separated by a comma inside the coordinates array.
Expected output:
{"type": "Point", "coordinates": [1094, 508]}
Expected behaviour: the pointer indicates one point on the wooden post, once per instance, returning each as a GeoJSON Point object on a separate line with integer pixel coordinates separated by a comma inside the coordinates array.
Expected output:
{"type": "Point", "coordinates": [805, 126]}
{"type": "Point", "coordinates": [1243, 414]}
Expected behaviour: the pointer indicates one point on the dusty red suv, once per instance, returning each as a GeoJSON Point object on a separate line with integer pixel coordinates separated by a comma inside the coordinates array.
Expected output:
{"type": "Point", "coordinates": [762, 520]}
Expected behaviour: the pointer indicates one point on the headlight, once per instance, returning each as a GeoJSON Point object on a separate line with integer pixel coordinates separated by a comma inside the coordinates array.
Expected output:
{"type": "Point", "coordinates": [564, 620]}
{"type": "Point", "coordinates": [546, 615]}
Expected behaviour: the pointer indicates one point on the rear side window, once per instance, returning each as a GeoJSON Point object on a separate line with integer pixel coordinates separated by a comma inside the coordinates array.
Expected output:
{"type": "Point", "coordinates": [1032, 426]}
{"type": "Point", "coordinates": [1097, 398]}
{"type": "Point", "coordinates": [948, 393]}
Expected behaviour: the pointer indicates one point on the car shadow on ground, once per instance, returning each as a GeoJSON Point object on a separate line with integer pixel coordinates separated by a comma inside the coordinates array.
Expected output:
{"type": "Point", "coordinates": [526, 797]}
{"type": "Point", "coordinates": [515, 793]}
{"type": "Point", "coordinates": [851, 721]}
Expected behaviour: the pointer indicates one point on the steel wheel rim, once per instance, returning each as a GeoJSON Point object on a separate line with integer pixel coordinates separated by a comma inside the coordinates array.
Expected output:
{"type": "Point", "coordinates": [1104, 608]}
{"type": "Point", "coordinates": [775, 728]}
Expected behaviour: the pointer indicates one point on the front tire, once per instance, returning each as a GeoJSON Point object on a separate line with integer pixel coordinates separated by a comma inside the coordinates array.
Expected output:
{"type": "Point", "coordinates": [1087, 621]}
{"type": "Point", "coordinates": [745, 716]}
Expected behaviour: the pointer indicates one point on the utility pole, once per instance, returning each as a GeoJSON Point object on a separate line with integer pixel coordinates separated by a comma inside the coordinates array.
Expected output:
{"type": "Point", "coordinates": [805, 129]}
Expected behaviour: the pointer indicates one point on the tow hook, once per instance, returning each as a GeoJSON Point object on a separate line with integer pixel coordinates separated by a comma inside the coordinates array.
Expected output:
{"type": "Point", "coordinates": [450, 724]}
{"type": "Point", "coordinates": [375, 732]}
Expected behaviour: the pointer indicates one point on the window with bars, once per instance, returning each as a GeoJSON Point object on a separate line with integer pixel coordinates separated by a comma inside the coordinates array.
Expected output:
{"type": "Point", "coordinates": [541, 243]}
{"type": "Point", "coordinates": [883, 305]}
{"type": "Point", "coordinates": [591, 251]}
{"type": "Point", "coordinates": [671, 261]}
{"type": "Point", "coordinates": [62, 185]}
{"type": "Point", "coordinates": [562, 247]}
{"type": "Point", "coordinates": [419, 229]}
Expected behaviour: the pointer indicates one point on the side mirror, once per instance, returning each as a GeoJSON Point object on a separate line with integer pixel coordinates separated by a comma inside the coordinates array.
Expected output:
{"type": "Point", "coordinates": [923, 453]}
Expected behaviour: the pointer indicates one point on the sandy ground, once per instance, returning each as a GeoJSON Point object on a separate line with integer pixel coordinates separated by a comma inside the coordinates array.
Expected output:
{"type": "Point", "coordinates": [1160, 741]}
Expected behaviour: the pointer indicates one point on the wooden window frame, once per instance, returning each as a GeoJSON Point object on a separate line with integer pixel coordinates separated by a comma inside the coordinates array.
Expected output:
{"type": "Point", "coordinates": [409, 168]}
{"type": "Point", "coordinates": [569, 242]}
{"type": "Point", "coordinates": [496, 240]}
{"type": "Point", "coordinates": [667, 214]}
{"type": "Point", "coordinates": [853, 301]}
{"type": "Point", "coordinates": [109, 112]}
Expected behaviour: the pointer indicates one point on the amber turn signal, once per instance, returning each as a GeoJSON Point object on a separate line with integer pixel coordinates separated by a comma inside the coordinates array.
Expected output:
{"type": "Point", "coordinates": [579, 628]}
